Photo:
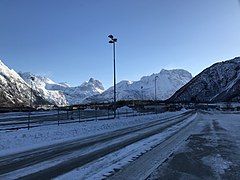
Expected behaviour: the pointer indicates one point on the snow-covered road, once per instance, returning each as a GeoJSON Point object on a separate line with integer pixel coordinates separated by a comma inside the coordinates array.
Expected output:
{"type": "Point", "coordinates": [51, 161]}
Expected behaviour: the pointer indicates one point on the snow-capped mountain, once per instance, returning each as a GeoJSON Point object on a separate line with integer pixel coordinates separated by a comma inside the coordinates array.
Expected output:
{"type": "Point", "coordinates": [15, 88]}
{"type": "Point", "coordinates": [218, 83]}
{"type": "Point", "coordinates": [43, 85]}
{"type": "Point", "coordinates": [167, 83]}
{"type": "Point", "coordinates": [62, 93]}
{"type": "Point", "coordinates": [76, 95]}
{"type": "Point", "coordinates": [14, 91]}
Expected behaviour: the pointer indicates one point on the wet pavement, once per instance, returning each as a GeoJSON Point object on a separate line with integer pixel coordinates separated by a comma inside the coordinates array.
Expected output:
{"type": "Point", "coordinates": [212, 153]}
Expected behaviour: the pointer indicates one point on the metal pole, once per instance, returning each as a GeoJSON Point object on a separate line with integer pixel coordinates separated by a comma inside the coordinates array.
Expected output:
{"type": "Point", "coordinates": [114, 78]}
{"type": "Point", "coordinates": [155, 89]}
{"type": "Point", "coordinates": [30, 108]}
{"type": "Point", "coordinates": [156, 94]}
{"type": "Point", "coordinates": [58, 117]}
{"type": "Point", "coordinates": [113, 41]}
{"type": "Point", "coordinates": [31, 94]}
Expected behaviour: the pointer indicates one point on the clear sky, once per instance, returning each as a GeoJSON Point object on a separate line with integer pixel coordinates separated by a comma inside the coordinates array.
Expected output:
{"type": "Point", "coordinates": [67, 39]}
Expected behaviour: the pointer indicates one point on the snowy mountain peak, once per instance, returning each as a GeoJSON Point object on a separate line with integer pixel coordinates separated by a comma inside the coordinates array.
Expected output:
{"type": "Point", "coordinates": [91, 80]}
{"type": "Point", "coordinates": [176, 72]}
{"type": "Point", "coordinates": [168, 82]}
{"type": "Point", "coordinates": [62, 93]}
{"type": "Point", "coordinates": [179, 73]}
{"type": "Point", "coordinates": [92, 85]}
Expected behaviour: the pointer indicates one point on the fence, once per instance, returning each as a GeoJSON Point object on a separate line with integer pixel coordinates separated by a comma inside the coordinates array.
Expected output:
{"type": "Point", "coordinates": [18, 120]}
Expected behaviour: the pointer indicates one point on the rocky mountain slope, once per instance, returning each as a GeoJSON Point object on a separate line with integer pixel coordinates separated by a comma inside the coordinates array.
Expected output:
{"type": "Point", "coordinates": [167, 83]}
{"type": "Point", "coordinates": [43, 86]}
{"type": "Point", "coordinates": [14, 91]}
{"type": "Point", "coordinates": [218, 83]}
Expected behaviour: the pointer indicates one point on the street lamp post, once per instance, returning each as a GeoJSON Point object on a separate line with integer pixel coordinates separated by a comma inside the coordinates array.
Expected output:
{"type": "Point", "coordinates": [156, 93]}
{"type": "Point", "coordinates": [156, 88]}
{"type": "Point", "coordinates": [113, 41]}
{"type": "Point", "coordinates": [142, 92]}
{"type": "Point", "coordinates": [31, 101]}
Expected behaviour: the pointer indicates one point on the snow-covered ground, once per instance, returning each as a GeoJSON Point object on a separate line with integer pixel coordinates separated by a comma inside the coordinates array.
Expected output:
{"type": "Point", "coordinates": [211, 153]}
{"type": "Point", "coordinates": [13, 115]}
{"type": "Point", "coordinates": [23, 139]}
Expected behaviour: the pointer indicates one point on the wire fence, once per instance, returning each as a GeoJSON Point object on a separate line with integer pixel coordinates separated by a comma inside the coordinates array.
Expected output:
{"type": "Point", "coordinates": [59, 116]}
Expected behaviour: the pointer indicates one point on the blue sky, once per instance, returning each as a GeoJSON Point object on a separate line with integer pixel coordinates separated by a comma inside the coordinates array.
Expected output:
{"type": "Point", "coordinates": [67, 39]}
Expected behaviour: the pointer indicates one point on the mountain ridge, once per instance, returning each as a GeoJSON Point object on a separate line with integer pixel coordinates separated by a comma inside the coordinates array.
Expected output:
{"type": "Point", "coordinates": [168, 82]}
{"type": "Point", "coordinates": [62, 94]}
{"type": "Point", "coordinates": [217, 83]}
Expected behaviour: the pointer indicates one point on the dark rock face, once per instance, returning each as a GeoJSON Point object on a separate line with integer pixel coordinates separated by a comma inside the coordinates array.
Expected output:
{"type": "Point", "coordinates": [218, 83]}
{"type": "Point", "coordinates": [11, 95]}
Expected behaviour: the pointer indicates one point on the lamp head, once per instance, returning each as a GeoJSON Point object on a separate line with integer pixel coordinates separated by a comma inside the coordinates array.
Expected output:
{"type": "Point", "coordinates": [110, 36]}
